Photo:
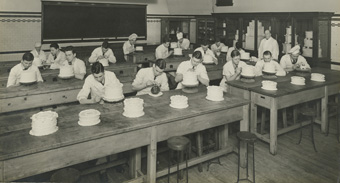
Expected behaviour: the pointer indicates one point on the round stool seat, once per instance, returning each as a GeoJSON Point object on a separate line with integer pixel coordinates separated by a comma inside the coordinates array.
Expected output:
{"type": "Point", "coordinates": [66, 175]}
{"type": "Point", "coordinates": [308, 112]}
{"type": "Point", "coordinates": [246, 136]}
{"type": "Point", "coordinates": [178, 143]}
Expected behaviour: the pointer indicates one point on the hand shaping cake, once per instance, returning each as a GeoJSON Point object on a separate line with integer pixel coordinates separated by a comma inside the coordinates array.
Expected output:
{"type": "Point", "coordinates": [133, 107]}
{"type": "Point", "coordinates": [179, 101]}
{"type": "Point", "coordinates": [113, 92]}
{"type": "Point", "coordinates": [178, 51]}
{"type": "Point", "coordinates": [208, 59]}
{"type": "Point", "coordinates": [269, 68]}
{"type": "Point", "coordinates": [245, 56]}
{"type": "Point", "coordinates": [215, 93]}
{"type": "Point", "coordinates": [89, 117]}
{"type": "Point", "coordinates": [224, 49]}
{"type": "Point", "coordinates": [269, 85]}
{"type": "Point", "coordinates": [28, 77]}
{"type": "Point", "coordinates": [248, 71]}
{"type": "Point", "coordinates": [66, 71]}
{"type": "Point", "coordinates": [139, 48]}
{"type": "Point", "coordinates": [297, 80]}
{"type": "Point", "coordinates": [303, 67]}
{"type": "Point", "coordinates": [44, 123]}
{"type": "Point", "coordinates": [190, 78]}
{"type": "Point", "coordinates": [318, 77]}
{"type": "Point", "coordinates": [173, 45]}
{"type": "Point", "coordinates": [104, 62]}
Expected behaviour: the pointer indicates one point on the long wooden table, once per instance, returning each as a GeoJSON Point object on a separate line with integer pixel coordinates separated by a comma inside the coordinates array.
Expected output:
{"type": "Point", "coordinates": [286, 95]}
{"type": "Point", "coordinates": [23, 155]}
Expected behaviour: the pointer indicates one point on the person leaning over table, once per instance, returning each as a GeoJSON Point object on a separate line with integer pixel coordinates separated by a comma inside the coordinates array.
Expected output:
{"type": "Point", "coordinates": [56, 56]}
{"type": "Point", "coordinates": [232, 70]}
{"type": "Point", "coordinates": [162, 51]}
{"type": "Point", "coordinates": [38, 53]}
{"type": "Point", "coordinates": [204, 49]}
{"type": "Point", "coordinates": [237, 47]}
{"type": "Point", "coordinates": [267, 59]}
{"type": "Point", "coordinates": [78, 65]}
{"type": "Point", "coordinates": [95, 84]}
{"type": "Point", "coordinates": [103, 52]}
{"type": "Point", "coordinates": [25, 64]}
{"type": "Point", "coordinates": [129, 45]}
{"type": "Point", "coordinates": [183, 43]}
{"type": "Point", "coordinates": [269, 44]}
{"type": "Point", "coordinates": [192, 65]}
{"type": "Point", "coordinates": [147, 77]}
{"type": "Point", "coordinates": [293, 60]}
{"type": "Point", "coordinates": [217, 46]}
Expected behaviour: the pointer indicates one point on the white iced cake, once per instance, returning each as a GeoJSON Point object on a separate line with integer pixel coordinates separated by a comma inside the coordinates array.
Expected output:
{"type": "Point", "coordinates": [44, 123]}
{"type": "Point", "coordinates": [208, 59]}
{"type": "Point", "coordinates": [66, 71]}
{"type": "Point", "coordinates": [190, 78]}
{"type": "Point", "coordinates": [248, 71]}
{"type": "Point", "coordinates": [89, 117]}
{"type": "Point", "coordinates": [215, 93]}
{"type": "Point", "coordinates": [308, 42]}
{"type": "Point", "coordinates": [269, 67]}
{"type": "Point", "coordinates": [309, 34]}
{"type": "Point", "coordinates": [179, 101]}
{"type": "Point", "coordinates": [139, 48]}
{"type": "Point", "coordinates": [133, 107]}
{"type": "Point", "coordinates": [269, 85]}
{"type": "Point", "coordinates": [245, 55]}
{"type": "Point", "coordinates": [104, 62]}
{"type": "Point", "coordinates": [224, 49]}
{"type": "Point", "coordinates": [28, 77]}
{"type": "Point", "coordinates": [173, 45]}
{"type": "Point", "coordinates": [178, 51]}
{"type": "Point", "coordinates": [317, 77]}
{"type": "Point", "coordinates": [113, 92]}
{"type": "Point", "coordinates": [297, 80]}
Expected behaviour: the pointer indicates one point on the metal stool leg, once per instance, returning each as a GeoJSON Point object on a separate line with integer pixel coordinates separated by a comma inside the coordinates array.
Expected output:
{"type": "Point", "coordinates": [300, 133]}
{"type": "Point", "coordinates": [254, 162]}
{"type": "Point", "coordinates": [337, 124]}
{"type": "Point", "coordinates": [238, 163]}
{"type": "Point", "coordinates": [312, 134]}
{"type": "Point", "coordinates": [169, 164]}
{"type": "Point", "coordinates": [247, 161]}
{"type": "Point", "coordinates": [186, 165]}
{"type": "Point", "coordinates": [177, 166]}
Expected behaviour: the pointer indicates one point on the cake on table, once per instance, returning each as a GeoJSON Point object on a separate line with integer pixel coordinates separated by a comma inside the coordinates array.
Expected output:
{"type": "Point", "coordinates": [269, 85]}
{"type": "Point", "coordinates": [133, 107]}
{"type": "Point", "coordinates": [179, 101]}
{"type": "Point", "coordinates": [66, 71]}
{"type": "Point", "coordinates": [215, 93]}
{"type": "Point", "coordinates": [104, 62]}
{"type": "Point", "coordinates": [113, 93]}
{"type": "Point", "coordinates": [297, 80]}
{"type": "Point", "coordinates": [224, 49]}
{"type": "Point", "coordinates": [173, 45]}
{"type": "Point", "coordinates": [245, 56]}
{"type": "Point", "coordinates": [44, 123]}
{"type": "Point", "coordinates": [28, 77]}
{"type": "Point", "coordinates": [318, 77]}
{"type": "Point", "coordinates": [248, 71]}
{"type": "Point", "coordinates": [178, 51]}
{"type": "Point", "coordinates": [89, 117]}
{"type": "Point", "coordinates": [190, 79]}
{"type": "Point", "coordinates": [208, 59]}
{"type": "Point", "coordinates": [139, 48]}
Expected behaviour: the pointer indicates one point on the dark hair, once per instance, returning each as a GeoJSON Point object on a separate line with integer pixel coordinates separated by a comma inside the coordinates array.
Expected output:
{"type": "Point", "coordinates": [165, 39]}
{"type": "Point", "coordinates": [54, 45]}
{"type": "Point", "coordinates": [267, 53]}
{"type": "Point", "coordinates": [97, 68]}
{"type": "Point", "coordinates": [160, 63]}
{"type": "Point", "coordinates": [205, 43]}
{"type": "Point", "coordinates": [28, 57]}
{"type": "Point", "coordinates": [105, 45]}
{"type": "Point", "coordinates": [197, 55]}
{"type": "Point", "coordinates": [235, 53]}
{"type": "Point", "coordinates": [238, 45]}
{"type": "Point", "coordinates": [70, 48]}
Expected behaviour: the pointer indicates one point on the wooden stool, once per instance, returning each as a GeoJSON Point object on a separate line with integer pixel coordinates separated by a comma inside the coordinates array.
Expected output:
{"type": "Point", "coordinates": [308, 112]}
{"type": "Point", "coordinates": [337, 107]}
{"type": "Point", "coordinates": [66, 175]}
{"type": "Point", "coordinates": [181, 145]}
{"type": "Point", "coordinates": [248, 138]}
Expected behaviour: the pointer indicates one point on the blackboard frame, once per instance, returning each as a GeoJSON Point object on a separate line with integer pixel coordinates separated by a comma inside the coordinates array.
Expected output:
{"type": "Point", "coordinates": [91, 4]}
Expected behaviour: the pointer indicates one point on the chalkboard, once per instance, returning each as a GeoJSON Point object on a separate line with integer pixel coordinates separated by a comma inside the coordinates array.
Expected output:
{"type": "Point", "coordinates": [65, 20]}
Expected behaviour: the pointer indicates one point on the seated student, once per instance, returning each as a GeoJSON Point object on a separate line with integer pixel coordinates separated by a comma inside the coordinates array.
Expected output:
{"type": "Point", "coordinates": [204, 49]}
{"type": "Point", "coordinates": [183, 43]}
{"type": "Point", "coordinates": [129, 45]}
{"type": "Point", "coordinates": [103, 52]}
{"type": "Point", "coordinates": [237, 47]}
{"type": "Point", "coordinates": [232, 70]}
{"type": "Point", "coordinates": [78, 65]}
{"type": "Point", "coordinates": [217, 46]}
{"type": "Point", "coordinates": [192, 65]}
{"type": "Point", "coordinates": [162, 51]}
{"type": "Point", "coordinates": [147, 77]}
{"type": "Point", "coordinates": [95, 83]}
{"type": "Point", "coordinates": [267, 59]}
{"type": "Point", "coordinates": [39, 54]}
{"type": "Point", "coordinates": [25, 64]}
{"type": "Point", "coordinates": [293, 60]}
{"type": "Point", "coordinates": [56, 56]}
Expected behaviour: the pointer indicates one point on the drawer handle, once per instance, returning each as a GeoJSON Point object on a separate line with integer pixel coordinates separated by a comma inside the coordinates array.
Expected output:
{"type": "Point", "coordinates": [9, 104]}
{"type": "Point", "coordinates": [64, 96]}
{"type": "Point", "coordinates": [146, 59]}
{"type": "Point", "coordinates": [25, 98]}
{"type": "Point", "coordinates": [263, 97]}
{"type": "Point", "coordinates": [171, 66]}
{"type": "Point", "coordinates": [121, 72]}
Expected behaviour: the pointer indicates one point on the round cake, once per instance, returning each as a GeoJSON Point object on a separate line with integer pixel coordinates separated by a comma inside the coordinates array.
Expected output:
{"type": "Point", "coordinates": [309, 34]}
{"type": "Point", "coordinates": [297, 80]}
{"type": "Point", "coordinates": [133, 107]}
{"type": "Point", "coordinates": [173, 45]}
{"type": "Point", "coordinates": [66, 71]}
{"type": "Point", "coordinates": [224, 49]}
{"type": "Point", "coordinates": [245, 56]}
{"type": "Point", "coordinates": [104, 62]}
{"type": "Point", "coordinates": [44, 123]}
{"type": "Point", "coordinates": [214, 93]}
{"type": "Point", "coordinates": [190, 79]}
{"type": "Point", "coordinates": [269, 68]}
{"type": "Point", "coordinates": [248, 71]}
{"type": "Point", "coordinates": [308, 43]}
{"type": "Point", "coordinates": [179, 101]}
{"type": "Point", "coordinates": [139, 48]}
{"type": "Point", "coordinates": [113, 93]}
{"type": "Point", "coordinates": [178, 51]}
{"type": "Point", "coordinates": [28, 77]}
{"type": "Point", "coordinates": [269, 85]}
{"type": "Point", "coordinates": [317, 77]}
{"type": "Point", "coordinates": [89, 117]}
{"type": "Point", "coordinates": [208, 59]}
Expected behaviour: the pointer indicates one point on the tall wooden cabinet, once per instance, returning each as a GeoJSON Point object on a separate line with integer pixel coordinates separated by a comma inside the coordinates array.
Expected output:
{"type": "Point", "coordinates": [205, 30]}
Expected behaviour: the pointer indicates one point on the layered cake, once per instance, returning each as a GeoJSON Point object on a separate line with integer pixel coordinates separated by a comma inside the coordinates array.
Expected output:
{"type": "Point", "coordinates": [208, 59]}
{"type": "Point", "coordinates": [245, 56]}
{"type": "Point", "coordinates": [139, 48]}
{"type": "Point", "coordinates": [179, 101]}
{"type": "Point", "coordinates": [66, 71]}
{"type": "Point", "coordinates": [113, 93]}
{"type": "Point", "coordinates": [297, 80]}
{"type": "Point", "coordinates": [224, 49]}
{"type": "Point", "coordinates": [104, 62]}
{"type": "Point", "coordinates": [269, 85]}
{"type": "Point", "coordinates": [89, 117]}
{"type": "Point", "coordinates": [318, 77]}
{"type": "Point", "coordinates": [215, 93]}
{"type": "Point", "coordinates": [173, 45]}
{"type": "Point", "coordinates": [269, 68]}
{"type": "Point", "coordinates": [28, 77]}
{"type": "Point", "coordinates": [178, 51]}
{"type": "Point", "coordinates": [133, 107]}
{"type": "Point", "coordinates": [44, 123]}
{"type": "Point", "coordinates": [190, 78]}
{"type": "Point", "coordinates": [248, 71]}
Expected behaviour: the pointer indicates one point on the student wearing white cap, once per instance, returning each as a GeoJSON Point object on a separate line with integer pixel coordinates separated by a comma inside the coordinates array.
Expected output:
{"type": "Point", "coordinates": [39, 55]}
{"type": "Point", "coordinates": [129, 45]}
{"type": "Point", "coordinates": [183, 42]}
{"type": "Point", "coordinates": [294, 60]}
{"type": "Point", "coordinates": [269, 44]}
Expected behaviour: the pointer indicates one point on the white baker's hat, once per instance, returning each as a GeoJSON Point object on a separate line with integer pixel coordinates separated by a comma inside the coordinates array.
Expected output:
{"type": "Point", "coordinates": [133, 36]}
{"type": "Point", "coordinates": [179, 35]}
{"type": "Point", "coordinates": [37, 44]}
{"type": "Point", "coordinates": [295, 50]}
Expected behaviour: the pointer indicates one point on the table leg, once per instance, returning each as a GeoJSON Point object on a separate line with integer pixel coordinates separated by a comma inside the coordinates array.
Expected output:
{"type": "Point", "coordinates": [324, 111]}
{"type": "Point", "coordinates": [273, 127]}
{"type": "Point", "coordinates": [253, 118]}
{"type": "Point", "coordinates": [152, 156]}
{"type": "Point", "coordinates": [135, 162]}
{"type": "Point", "coordinates": [284, 117]}
{"type": "Point", "coordinates": [263, 120]}
{"type": "Point", "coordinates": [199, 144]}
{"type": "Point", "coordinates": [244, 126]}
{"type": "Point", "coordinates": [295, 114]}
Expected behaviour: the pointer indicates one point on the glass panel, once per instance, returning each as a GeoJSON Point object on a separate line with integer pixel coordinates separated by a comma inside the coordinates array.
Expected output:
{"type": "Point", "coordinates": [248, 32]}
{"type": "Point", "coordinates": [304, 31]}
{"type": "Point", "coordinates": [285, 36]}
{"type": "Point", "coordinates": [323, 39]}
{"type": "Point", "coordinates": [232, 32]}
